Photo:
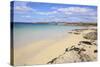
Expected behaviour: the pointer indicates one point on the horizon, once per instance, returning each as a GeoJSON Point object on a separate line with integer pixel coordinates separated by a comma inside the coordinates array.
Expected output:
{"type": "Point", "coordinates": [36, 12]}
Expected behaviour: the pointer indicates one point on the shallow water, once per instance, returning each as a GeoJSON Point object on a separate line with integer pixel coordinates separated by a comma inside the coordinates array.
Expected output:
{"type": "Point", "coordinates": [25, 34]}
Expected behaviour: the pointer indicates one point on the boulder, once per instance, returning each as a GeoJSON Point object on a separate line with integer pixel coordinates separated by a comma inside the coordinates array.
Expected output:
{"type": "Point", "coordinates": [91, 36]}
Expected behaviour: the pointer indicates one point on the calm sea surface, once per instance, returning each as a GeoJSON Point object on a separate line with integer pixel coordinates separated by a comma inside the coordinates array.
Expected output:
{"type": "Point", "coordinates": [28, 33]}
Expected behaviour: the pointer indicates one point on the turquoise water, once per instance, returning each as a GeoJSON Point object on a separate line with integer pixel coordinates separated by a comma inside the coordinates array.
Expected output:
{"type": "Point", "coordinates": [29, 33]}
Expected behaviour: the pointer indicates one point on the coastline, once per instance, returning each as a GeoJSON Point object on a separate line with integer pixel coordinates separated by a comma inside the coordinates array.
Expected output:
{"type": "Point", "coordinates": [49, 49]}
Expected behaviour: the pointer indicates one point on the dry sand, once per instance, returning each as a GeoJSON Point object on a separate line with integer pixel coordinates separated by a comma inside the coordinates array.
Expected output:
{"type": "Point", "coordinates": [44, 51]}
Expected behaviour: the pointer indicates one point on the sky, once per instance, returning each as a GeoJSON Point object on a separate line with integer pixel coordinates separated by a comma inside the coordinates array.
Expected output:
{"type": "Point", "coordinates": [51, 12]}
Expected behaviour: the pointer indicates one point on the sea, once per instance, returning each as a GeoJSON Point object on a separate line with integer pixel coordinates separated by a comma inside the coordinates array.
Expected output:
{"type": "Point", "coordinates": [27, 33]}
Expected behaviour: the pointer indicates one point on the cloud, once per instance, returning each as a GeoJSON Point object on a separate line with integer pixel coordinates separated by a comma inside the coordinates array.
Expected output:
{"type": "Point", "coordinates": [77, 10]}
{"type": "Point", "coordinates": [68, 11]}
{"type": "Point", "coordinates": [26, 16]}
{"type": "Point", "coordinates": [55, 13]}
{"type": "Point", "coordinates": [77, 14]}
{"type": "Point", "coordinates": [22, 7]}
{"type": "Point", "coordinates": [46, 13]}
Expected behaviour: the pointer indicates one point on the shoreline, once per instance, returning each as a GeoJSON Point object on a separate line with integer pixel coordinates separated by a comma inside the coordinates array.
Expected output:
{"type": "Point", "coordinates": [48, 50]}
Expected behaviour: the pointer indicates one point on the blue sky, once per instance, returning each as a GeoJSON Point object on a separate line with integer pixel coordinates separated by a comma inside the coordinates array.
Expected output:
{"type": "Point", "coordinates": [50, 12]}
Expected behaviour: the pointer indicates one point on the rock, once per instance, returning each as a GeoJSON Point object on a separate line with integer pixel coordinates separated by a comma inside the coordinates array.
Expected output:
{"type": "Point", "coordinates": [95, 51]}
{"type": "Point", "coordinates": [85, 58]}
{"type": "Point", "coordinates": [76, 33]}
{"type": "Point", "coordinates": [85, 42]}
{"type": "Point", "coordinates": [76, 49]}
{"type": "Point", "coordinates": [50, 62]}
{"type": "Point", "coordinates": [72, 47]}
{"type": "Point", "coordinates": [77, 53]}
{"type": "Point", "coordinates": [83, 49]}
{"type": "Point", "coordinates": [91, 36]}
{"type": "Point", "coordinates": [95, 42]}
{"type": "Point", "coordinates": [70, 32]}
{"type": "Point", "coordinates": [66, 49]}
{"type": "Point", "coordinates": [79, 43]}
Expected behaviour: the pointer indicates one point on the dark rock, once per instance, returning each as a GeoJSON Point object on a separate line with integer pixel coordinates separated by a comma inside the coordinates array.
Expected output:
{"type": "Point", "coordinates": [50, 62]}
{"type": "Point", "coordinates": [83, 49]}
{"type": "Point", "coordinates": [95, 51]}
{"type": "Point", "coordinates": [76, 49]}
{"type": "Point", "coordinates": [85, 42]}
{"type": "Point", "coordinates": [66, 49]}
{"type": "Point", "coordinates": [72, 47]}
{"type": "Point", "coordinates": [79, 43]}
{"type": "Point", "coordinates": [76, 33]}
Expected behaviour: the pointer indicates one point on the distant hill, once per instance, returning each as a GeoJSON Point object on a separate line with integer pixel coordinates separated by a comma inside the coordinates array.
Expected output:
{"type": "Point", "coordinates": [64, 23]}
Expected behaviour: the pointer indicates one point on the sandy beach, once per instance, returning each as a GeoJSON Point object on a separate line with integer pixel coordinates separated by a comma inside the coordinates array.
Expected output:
{"type": "Point", "coordinates": [52, 33]}
{"type": "Point", "coordinates": [44, 51]}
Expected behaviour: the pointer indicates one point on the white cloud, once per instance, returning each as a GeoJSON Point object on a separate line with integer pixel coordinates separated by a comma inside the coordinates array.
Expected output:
{"type": "Point", "coordinates": [26, 16]}
{"type": "Point", "coordinates": [74, 9]}
{"type": "Point", "coordinates": [59, 14]}
{"type": "Point", "coordinates": [70, 14]}
{"type": "Point", "coordinates": [23, 7]}
{"type": "Point", "coordinates": [46, 13]}
{"type": "Point", "coordinates": [78, 10]}
{"type": "Point", "coordinates": [69, 11]}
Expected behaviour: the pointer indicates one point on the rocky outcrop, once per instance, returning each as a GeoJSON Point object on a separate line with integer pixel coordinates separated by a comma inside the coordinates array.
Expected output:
{"type": "Point", "coordinates": [84, 51]}
{"type": "Point", "coordinates": [91, 36]}
{"type": "Point", "coordinates": [76, 54]}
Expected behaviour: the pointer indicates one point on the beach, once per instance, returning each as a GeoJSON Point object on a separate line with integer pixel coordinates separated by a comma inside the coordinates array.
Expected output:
{"type": "Point", "coordinates": [52, 51]}
{"type": "Point", "coordinates": [52, 33]}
